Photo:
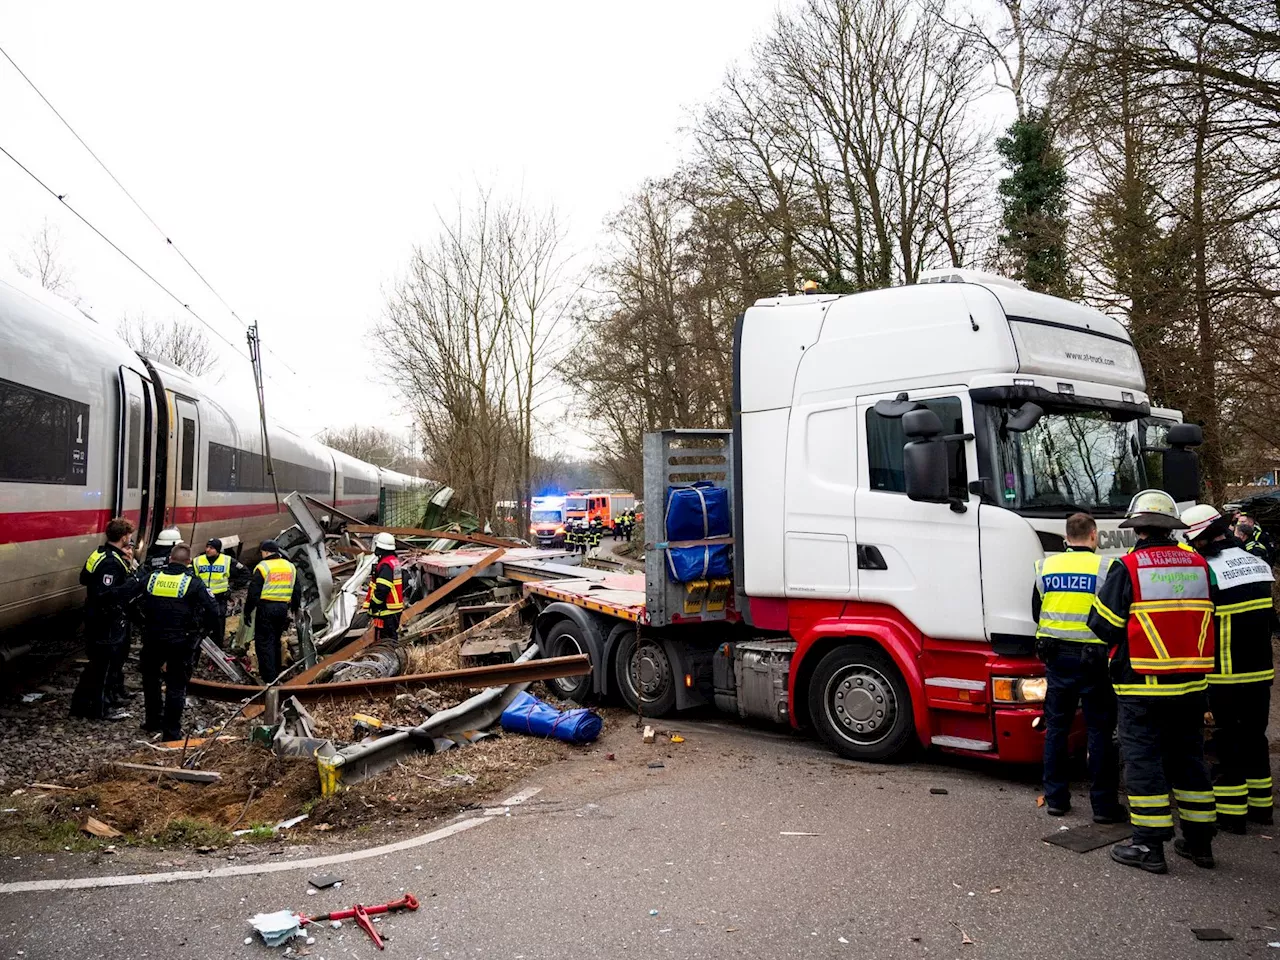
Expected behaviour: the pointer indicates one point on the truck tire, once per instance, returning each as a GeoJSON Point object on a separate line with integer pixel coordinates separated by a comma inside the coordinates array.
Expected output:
{"type": "Point", "coordinates": [860, 705]}
{"type": "Point", "coordinates": [564, 639]}
{"type": "Point", "coordinates": [645, 678]}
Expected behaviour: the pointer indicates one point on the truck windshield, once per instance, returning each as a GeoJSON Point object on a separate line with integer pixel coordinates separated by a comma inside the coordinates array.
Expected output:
{"type": "Point", "coordinates": [545, 516]}
{"type": "Point", "coordinates": [1072, 459]}
{"type": "Point", "coordinates": [575, 503]}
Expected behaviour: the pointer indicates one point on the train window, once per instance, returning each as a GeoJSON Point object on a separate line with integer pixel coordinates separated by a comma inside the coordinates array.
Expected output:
{"type": "Point", "coordinates": [188, 454]}
{"type": "Point", "coordinates": [44, 438]}
{"type": "Point", "coordinates": [134, 453]}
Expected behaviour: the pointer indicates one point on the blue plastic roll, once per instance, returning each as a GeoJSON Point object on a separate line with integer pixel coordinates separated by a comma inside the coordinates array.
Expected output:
{"type": "Point", "coordinates": [528, 714]}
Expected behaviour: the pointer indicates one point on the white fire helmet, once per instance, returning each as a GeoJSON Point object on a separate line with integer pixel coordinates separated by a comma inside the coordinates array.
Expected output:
{"type": "Point", "coordinates": [1153, 508]}
{"type": "Point", "coordinates": [384, 541]}
{"type": "Point", "coordinates": [169, 537]}
{"type": "Point", "coordinates": [1199, 519]}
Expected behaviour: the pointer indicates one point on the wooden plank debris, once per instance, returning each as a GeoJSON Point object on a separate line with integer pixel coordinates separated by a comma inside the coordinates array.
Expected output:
{"type": "Point", "coordinates": [94, 826]}
{"type": "Point", "coordinates": [173, 773]}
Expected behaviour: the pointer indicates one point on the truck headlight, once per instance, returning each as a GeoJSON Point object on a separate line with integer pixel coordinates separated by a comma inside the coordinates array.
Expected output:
{"type": "Point", "coordinates": [1018, 689]}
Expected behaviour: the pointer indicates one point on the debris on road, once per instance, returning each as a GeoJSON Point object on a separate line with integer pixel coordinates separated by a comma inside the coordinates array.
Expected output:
{"type": "Point", "coordinates": [175, 773]}
{"type": "Point", "coordinates": [797, 833]}
{"type": "Point", "coordinates": [938, 791]}
{"type": "Point", "coordinates": [649, 734]}
{"type": "Point", "coordinates": [528, 714]}
{"type": "Point", "coordinates": [1211, 933]}
{"type": "Point", "coordinates": [324, 881]}
{"type": "Point", "coordinates": [276, 928]}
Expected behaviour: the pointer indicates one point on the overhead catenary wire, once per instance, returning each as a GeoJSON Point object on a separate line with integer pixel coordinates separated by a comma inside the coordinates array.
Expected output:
{"type": "Point", "coordinates": [151, 220]}
{"type": "Point", "coordinates": [61, 198]}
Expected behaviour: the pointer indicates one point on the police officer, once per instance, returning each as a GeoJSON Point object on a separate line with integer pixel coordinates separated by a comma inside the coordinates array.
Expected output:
{"type": "Point", "coordinates": [177, 608]}
{"type": "Point", "coordinates": [215, 570]}
{"type": "Point", "coordinates": [596, 532]}
{"type": "Point", "coordinates": [385, 597]}
{"type": "Point", "coordinates": [1075, 666]}
{"type": "Point", "coordinates": [630, 524]}
{"type": "Point", "coordinates": [1240, 684]}
{"type": "Point", "coordinates": [1155, 610]}
{"type": "Point", "coordinates": [112, 587]}
{"type": "Point", "coordinates": [273, 592]}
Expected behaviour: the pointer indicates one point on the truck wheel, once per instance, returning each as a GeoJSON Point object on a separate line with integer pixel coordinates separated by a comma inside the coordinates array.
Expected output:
{"type": "Point", "coordinates": [645, 678]}
{"type": "Point", "coordinates": [564, 639]}
{"type": "Point", "coordinates": [860, 704]}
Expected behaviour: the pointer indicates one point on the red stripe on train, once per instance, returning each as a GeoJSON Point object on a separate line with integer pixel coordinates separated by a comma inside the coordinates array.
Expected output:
{"type": "Point", "coordinates": [51, 524]}
{"type": "Point", "coordinates": [33, 525]}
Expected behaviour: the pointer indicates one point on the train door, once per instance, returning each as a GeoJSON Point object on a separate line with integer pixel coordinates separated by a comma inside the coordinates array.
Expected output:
{"type": "Point", "coordinates": [133, 458]}
{"type": "Point", "coordinates": [186, 460]}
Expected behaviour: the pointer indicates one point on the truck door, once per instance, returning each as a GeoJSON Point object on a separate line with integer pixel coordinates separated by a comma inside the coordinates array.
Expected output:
{"type": "Point", "coordinates": [185, 457]}
{"type": "Point", "coordinates": [820, 548]}
{"type": "Point", "coordinates": [921, 558]}
{"type": "Point", "coordinates": [133, 457]}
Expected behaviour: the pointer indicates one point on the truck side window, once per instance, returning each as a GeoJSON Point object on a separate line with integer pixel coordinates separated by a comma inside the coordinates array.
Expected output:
{"type": "Point", "coordinates": [885, 440]}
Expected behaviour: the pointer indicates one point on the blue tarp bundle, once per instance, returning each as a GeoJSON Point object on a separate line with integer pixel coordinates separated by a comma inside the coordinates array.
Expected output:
{"type": "Point", "coordinates": [699, 511]}
{"type": "Point", "coordinates": [528, 714]}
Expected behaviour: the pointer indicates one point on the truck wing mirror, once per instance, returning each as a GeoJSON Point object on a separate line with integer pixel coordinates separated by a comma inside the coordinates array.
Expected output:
{"type": "Point", "coordinates": [1025, 417]}
{"type": "Point", "coordinates": [921, 424]}
{"type": "Point", "coordinates": [1180, 470]}
{"type": "Point", "coordinates": [1185, 435]}
{"type": "Point", "coordinates": [924, 462]}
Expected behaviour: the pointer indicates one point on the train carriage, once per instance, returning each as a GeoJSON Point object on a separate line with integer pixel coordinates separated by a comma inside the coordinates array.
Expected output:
{"type": "Point", "coordinates": [90, 430]}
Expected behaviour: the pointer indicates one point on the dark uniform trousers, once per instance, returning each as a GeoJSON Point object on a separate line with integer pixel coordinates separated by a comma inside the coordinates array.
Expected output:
{"type": "Point", "coordinates": [270, 618]}
{"type": "Point", "coordinates": [104, 640]}
{"type": "Point", "coordinates": [390, 628]}
{"type": "Point", "coordinates": [1243, 782]}
{"type": "Point", "coordinates": [1077, 676]}
{"type": "Point", "coordinates": [166, 663]}
{"type": "Point", "coordinates": [1162, 742]}
{"type": "Point", "coordinates": [220, 638]}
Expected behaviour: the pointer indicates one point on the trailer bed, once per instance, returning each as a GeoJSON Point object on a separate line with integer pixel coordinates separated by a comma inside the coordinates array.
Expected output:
{"type": "Point", "coordinates": [615, 594]}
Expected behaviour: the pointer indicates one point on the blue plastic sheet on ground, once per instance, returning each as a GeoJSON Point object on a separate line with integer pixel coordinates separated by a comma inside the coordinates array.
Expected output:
{"type": "Point", "coordinates": [528, 714]}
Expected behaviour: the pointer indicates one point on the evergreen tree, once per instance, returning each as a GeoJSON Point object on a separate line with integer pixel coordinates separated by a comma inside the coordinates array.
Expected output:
{"type": "Point", "coordinates": [1034, 198]}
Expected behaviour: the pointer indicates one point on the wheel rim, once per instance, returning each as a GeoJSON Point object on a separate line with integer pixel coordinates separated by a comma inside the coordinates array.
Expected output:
{"type": "Point", "coordinates": [566, 645]}
{"type": "Point", "coordinates": [649, 673]}
{"type": "Point", "coordinates": [861, 705]}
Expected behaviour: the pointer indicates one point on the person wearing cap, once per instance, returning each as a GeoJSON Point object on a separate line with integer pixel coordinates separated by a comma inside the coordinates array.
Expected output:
{"type": "Point", "coordinates": [216, 570]}
{"type": "Point", "coordinates": [112, 588]}
{"type": "Point", "coordinates": [1154, 610]}
{"type": "Point", "coordinates": [1252, 538]}
{"type": "Point", "coordinates": [274, 591]}
{"type": "Point", "coordinates": [385, 597]}
{"type": "Point", "coordinates": [1075, 666]}
{"type": "Point", "coordinates": [1240, 684]}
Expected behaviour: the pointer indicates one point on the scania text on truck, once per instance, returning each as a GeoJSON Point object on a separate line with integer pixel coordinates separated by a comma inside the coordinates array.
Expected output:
{"type": "Point", "coordinates": [899, 460]}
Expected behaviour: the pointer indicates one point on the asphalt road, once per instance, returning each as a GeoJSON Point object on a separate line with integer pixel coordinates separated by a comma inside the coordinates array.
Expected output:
{"type": "Point", "coordinates": [576, 871]}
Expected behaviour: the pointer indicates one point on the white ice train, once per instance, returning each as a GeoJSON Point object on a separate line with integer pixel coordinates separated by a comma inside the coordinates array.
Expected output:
{"type": "Point", "coordinates": [90, 430]}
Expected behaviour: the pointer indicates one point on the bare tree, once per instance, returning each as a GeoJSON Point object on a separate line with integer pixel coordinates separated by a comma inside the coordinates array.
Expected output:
{"type": "Point", "coordinates": [471, 337]}
{"type": "Point", "coordinates": [175, 341]}
{"type": "Point", "coordinates": [382, 448]}
{"type": "Point", "coordinates": [43, 262]}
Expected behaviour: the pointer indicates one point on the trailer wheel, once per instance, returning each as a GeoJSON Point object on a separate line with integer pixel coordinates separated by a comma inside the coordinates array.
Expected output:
{"type": "Point", "coordinates": [860, 704]}
{"type": "Point", "coordinates": [565, 639]}
{"type": "Point", "coordinates": [644, 675]}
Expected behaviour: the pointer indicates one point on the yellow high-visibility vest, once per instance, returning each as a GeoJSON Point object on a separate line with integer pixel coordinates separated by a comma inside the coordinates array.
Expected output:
{"type": "Point", "coordinates": [95, 558]}
{"type": "Point", "coordinates": [216, 573]}
{"type": "Point", "coordinates": [277, 579]}
{"type": "Point", "coordinates": [1068, 582]}
{"type": "Point", "coordinates": [168, 584]}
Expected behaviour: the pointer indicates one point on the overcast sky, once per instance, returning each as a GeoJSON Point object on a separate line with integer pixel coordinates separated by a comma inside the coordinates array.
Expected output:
{"type": "Point", "coordinates": [296, 152]}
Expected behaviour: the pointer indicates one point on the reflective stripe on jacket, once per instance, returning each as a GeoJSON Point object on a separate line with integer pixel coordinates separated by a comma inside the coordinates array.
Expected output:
{"type": "Point", "coordinates": [1068, 582]}
{"type": "Point", "coordinates": [1241, 591]}
{"type": "Point", "coordinates": [1170, 624]}
{"type": "Point", "coordinates": [277, 579]}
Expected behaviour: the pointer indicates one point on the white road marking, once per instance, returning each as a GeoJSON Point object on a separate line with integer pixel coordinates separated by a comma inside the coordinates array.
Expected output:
{"type": "Point", "coordinates": [249, 870]}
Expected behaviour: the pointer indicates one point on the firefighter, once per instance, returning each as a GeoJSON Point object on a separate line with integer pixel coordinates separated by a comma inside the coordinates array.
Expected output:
{"type": "Point", "coordinates": [158, 552]}
{"type": "Point", "coordinates": [385, 597]}
{"type": "Point", "coordinates": [596, 533]}
{"type": "Point", "coordinates": [215, 570]}
{"type": "Point", "coordinates": [1253, 539]}
{"type": "Point", "coordinates": [1240, 684]}
{"type": "Point", "coordinates": [1075, 666]}
{"type": "Point", "coordinates": [274, 591]}
{"type": "Point", "coordinates": [112, 587]}
{"type": "Point", "coordinates": [1155, 611]}
{"type": "Point", "coordinates": [177, 608]}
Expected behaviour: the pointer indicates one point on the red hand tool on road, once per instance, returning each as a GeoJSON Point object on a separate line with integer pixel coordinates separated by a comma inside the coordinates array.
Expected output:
{"type": "Point", "coordinates": [361, 914]}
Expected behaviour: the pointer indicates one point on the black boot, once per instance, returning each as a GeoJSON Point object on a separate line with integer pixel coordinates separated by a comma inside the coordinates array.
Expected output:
{"type": "Point", "coordinates": [1231, 823]}
{"type": "Point", "coordinates": [1117, 815]}
{"type": "Point", "coordinates": [1148, 857]}
{"type": "Point", "coordinates": [1261, 815]}
{"type": "Point", "coordinates": [1201, 854]}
